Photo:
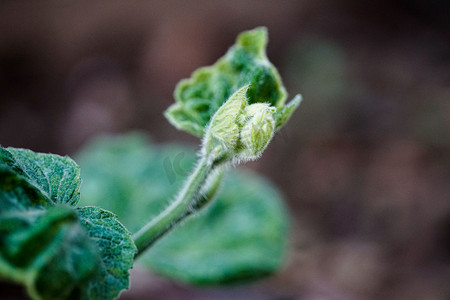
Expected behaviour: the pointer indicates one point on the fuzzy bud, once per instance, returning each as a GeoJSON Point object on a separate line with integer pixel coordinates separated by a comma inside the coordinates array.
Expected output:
{"type": "Point", "coordinates": [239, 131]}
{"type": "Point", "coordinates": [222, 134]}
{"type": "Point", "coordinates": [257, 130]}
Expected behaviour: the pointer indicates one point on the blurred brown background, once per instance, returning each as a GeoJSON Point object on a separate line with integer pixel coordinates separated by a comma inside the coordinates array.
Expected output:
{"type": "Point", "coordinates": [364, 163]}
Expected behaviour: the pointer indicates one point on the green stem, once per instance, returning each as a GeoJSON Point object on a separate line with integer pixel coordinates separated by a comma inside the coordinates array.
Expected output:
{"type": "Point", "coordinates": [210, 189]}
{"type": "Point", "coordinates": [177, 210]}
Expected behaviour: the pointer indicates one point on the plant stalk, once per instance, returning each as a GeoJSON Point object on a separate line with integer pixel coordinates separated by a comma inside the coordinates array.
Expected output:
{"type": "Point", "coordinates": [186, 201]}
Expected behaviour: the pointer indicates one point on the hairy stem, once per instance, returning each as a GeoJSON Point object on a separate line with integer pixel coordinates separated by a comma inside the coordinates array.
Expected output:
{"type": "Point", "coordinates": [191, 198]}
{"type": "Point", "coordinates": [210, 189]}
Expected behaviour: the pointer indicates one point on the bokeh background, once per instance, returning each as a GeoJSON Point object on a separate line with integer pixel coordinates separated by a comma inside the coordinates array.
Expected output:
{"type": "Point", "coordinates": [364, 164]}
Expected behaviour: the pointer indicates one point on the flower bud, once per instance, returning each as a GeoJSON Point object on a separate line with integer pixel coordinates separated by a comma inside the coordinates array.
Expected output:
{"type": "Point", "coordinates": [239, 131]}
{"type": "Point", "coordinates": [257, 130]}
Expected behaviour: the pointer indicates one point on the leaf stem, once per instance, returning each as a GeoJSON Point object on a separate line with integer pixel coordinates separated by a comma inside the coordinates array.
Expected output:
{"type": "Point", "coordinates": [184, 205]}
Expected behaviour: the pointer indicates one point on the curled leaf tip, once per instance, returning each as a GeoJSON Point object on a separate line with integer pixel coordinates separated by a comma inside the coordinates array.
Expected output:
{"type": "Point", "coordinates": [284, 113]}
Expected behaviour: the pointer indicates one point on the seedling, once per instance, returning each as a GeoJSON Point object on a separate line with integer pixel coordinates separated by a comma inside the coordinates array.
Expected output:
{"type": "Point", "coordinates": [58, 250]}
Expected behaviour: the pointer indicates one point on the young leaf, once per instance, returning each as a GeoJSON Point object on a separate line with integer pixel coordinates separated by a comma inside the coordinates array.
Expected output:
{"type": "Point", "coordinates": [239, 236]}
{"type": "Point", "coordinates": [199, 97]}
{"type": "Point", "coordinates": [283, 114]}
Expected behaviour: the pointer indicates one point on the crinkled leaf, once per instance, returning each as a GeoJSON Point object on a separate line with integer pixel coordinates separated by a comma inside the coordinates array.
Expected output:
{"type": "Point", "coordinates": [48, 251]}
{"type": "Point", "coordinates": [239, 236]}
{"type": "Point", "coordinates": [16, 193]}
{"type": "Point", "coordinates": [199, 97]}
{"type": "Point", "coordinates": [43, 245]}
{"type": "Point", "coordinates": [116, 248]}
{"type": "Point", "coordinates": [56, 177]}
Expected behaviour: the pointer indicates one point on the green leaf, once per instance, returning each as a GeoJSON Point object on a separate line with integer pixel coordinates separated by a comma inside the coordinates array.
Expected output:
{"type": "Point", "coordinates": [199, 97]}
{"type": "Point", "coordinates": [56, 177]}
{"type": "Point", "coordinates": [16, 193]}
{"type": "Point", "coordinates": [239, 236]}
{"type": "Point", "coordinates": [57, 252]}
{"type": "Point", "coordinates": [48, 251]}
{"type": "Point", "coordinates": [116, 248]}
